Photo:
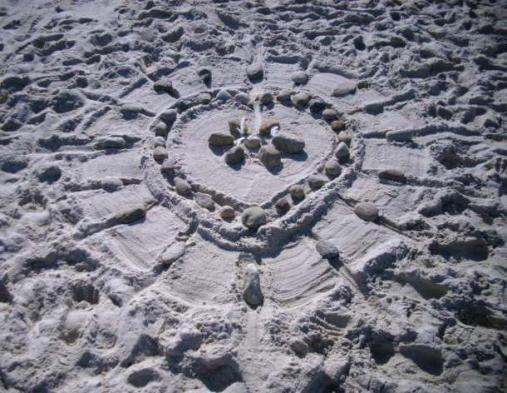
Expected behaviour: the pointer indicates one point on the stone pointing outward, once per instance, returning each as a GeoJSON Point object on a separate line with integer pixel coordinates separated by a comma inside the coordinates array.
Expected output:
{"type": "Point", "coordinates": [253, 217]}
{"type": "Point", "coordinates": [252, 286]}
{"type": "Point", "coordinates": [366, 211]}
{"type": "Point", "coordinates": [269, 156]}
{"type": "Point", "coordinates": [220, 139]}
{"type": "Point", "coordinates": [235, 155]}
{"type": "Point", "coordinates": [288, 144]}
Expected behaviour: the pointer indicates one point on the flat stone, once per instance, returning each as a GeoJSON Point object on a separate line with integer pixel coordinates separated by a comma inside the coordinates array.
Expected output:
{"type": "Point", "coordinates": [220, 139]}
{"type": "Point", "coordinates": [332, 168]}
{"type": "Point", "coordinates": [288, 144]}
{"type": "Point", "coordinates": [235, 155]}
{"type": "Point", "coordinates": [316, 181]}
{"type": "Point", "coordinates": [327, 250]}
{"type": "Point", "coordinates": [253, 217]}
{"type": "Point", "coordinates": [366, 211]}
{"type": "Point", "coordinates": [252, 292]}
{"type": "Point", "coordinates": [344, 89]}
{"type": "Point", "coordinates": [299, 77]}
{"type": "Point", "coordinates": [392, 175]}
{"type": "Point", "coordinates": [300, 100]}
{"type": "Point", "coordinates": [205, 201]}
{"type": "Point", "coordinates": [270, 156]}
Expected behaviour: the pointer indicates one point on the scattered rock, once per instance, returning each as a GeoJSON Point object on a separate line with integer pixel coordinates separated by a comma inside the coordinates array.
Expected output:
{"type": "Point", "coordinates": [392, 175]}
{"type": "Point", "coordinates": [252, 142]}
{"type": "Point", "coordinates": [288, 144]}
{"type": "Point", "coordinates": [366, 211]}
{"type": "Point", "coordinates": [220, 139]}
{"type": "Point", "coordinates": [235, 155]}
{"type": "Point", "coordinates": [160, 154]}
{"type": "Point", "coordinates": [282, 206]}
{"type": "Point", "coordinates": [300, 100]}
{"type": "Point", "coordinates": [327, 250]}
{"type": "Point", "coordinates": [203, 99]}
{"type": "Point", "coordinates": [297, 192]}
{"type": "Point", "coordinates": [337, 125]}
{"type": "Point", "coordinates": [253, 217]}
{"type": "Point", "coordinates": [255, 72]}
{"type": "Point", "coordinates": [342, 152]}
{"type": "Point", "coordinates": [267, 125]}
{"type": "Point", "coordinates": [299, 77]}
{"type": "Point", "coordinates": [182, 187]}
{"type": "Point", "coordinates": [205, 201]}
{"type": "Point", "coordinates": [332, 168]}
{"type": "Point", "coordinates": [252, 286]}
{"type": "Point", "coordinates": [227, 213]}
{"type": "Point", "coordinates": [270, 156]}
{"type": "Point", "coordinates": [316, 181]}
{"type": "Point", "coordinates": [329, 114]}
{"type": "Point", "coordinates": [49, 173]}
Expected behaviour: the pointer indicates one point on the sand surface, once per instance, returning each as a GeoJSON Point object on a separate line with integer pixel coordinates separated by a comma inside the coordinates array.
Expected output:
{"type": "Point", "coordinates": [138, 256]}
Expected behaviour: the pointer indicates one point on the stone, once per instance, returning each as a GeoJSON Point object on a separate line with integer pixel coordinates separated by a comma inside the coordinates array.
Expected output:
{"type": "Point", "coordinates": [344, 89]}
{"type": "Point", "coordinates": [332, 168]}
{"type": "Point", "coordinates": [235, 155]}
{"type": "Point", "coordinates": [297, 192]}
{"type": "Point", "coordinates": [160, 154]}
{"type": "Point", "coordinates": [205, 76]}
{"type": "Point", "coordinates": [316, 181]}
{"type": "Point", "coordinates": [300, 100]}
{"type": "Point", "coordinates": [169, 117]}
{"type": "Point", "coordinates": [242, 98]}
{"type": "Point", "coordinates": [255, 71]}
{"type": "Point", "coordinates": [284, 96]}
{"type": "Point", "coordinates": [329, 114]}
{"type": "Point", "coordinates": [252, 142]}
{"type": "Point", "coordinates": [161, 129]}
{"type": "Point", "coordinates": [267, 125]}
{"type": "Point", "coordinates": [282, 206]}
{"type": "Point", "coordinates": [168, 168]}
{"type": "Point", "coordinates": [227, 213]}
{"type": "Point", "coordinates": [170, 255]}
{"type": "Point", "coordinates": [234, 126]}
{"type": "Point", "coordinates": [223, 95]}
{"type": "Point", "coordinates": [327, 250]}
{"type": "Point", "coordinates": [166, 87]}
{"type": "Point", "coordinates": [337, 125]}
{"type": "Point", "coordinates": [366, 211]}
{"type": "Point", "coordinates": [270, 156]}
{"type": "Point", "coordinates": [182, 187]}
{"type": "Point", "coordinates": [111, 142]}
{"type": "Point", "coordinates": [316, 105]}
{"type": "Point", "coordinates": [342, 152]}
{"type": "Point", "coordinates": [49, 173]}
{"type": "Point", "coordinates": [253, 217]}
{"type": "Point", "coordinates": [288, 144]}
{"type": "Point", "coordinates": [299, 77]}
{"type": "Point", "coordinates": [203, 99]}
{"type": "Point", "coordinates": [221, 139]}
{"type": "Point", "coordinates": [266, 98]}
{"type": "Point", "coordinates": [392, 175]}
{"type": "Point", "coordinates": [158, 141]}
{"type": "Point", "coordinates": [205, 201]}
{"type": "Point", "coordinates": [345, 136]}
{"type": "Point", "coordinates": [252, 286]}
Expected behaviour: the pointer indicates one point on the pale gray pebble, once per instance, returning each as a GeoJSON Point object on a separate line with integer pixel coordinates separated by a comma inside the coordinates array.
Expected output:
{"type": "Point", "coordinates": [205, 201]}
{"type": "Point", "coordinates": [316, 181]}
{"type": "Point", "coordinates": [253, 217]}
{"type": "Point", "coordinates": [345, 88]}
{"type": "Point", "coordinates": [332, 168]}
{"type": "Point", "coordinates": [288, 144]}
{"type": "Point", "coordinates": [299, 77]}
{"type": "Point", "coordinates": [235, 155]}
{"type": "Point", "coordinates": [252, 142]}
{"type": "Point", "coordinates": [282, 206]}
{"type": "Point", "coordinates": [220, 139]}
{"type": "Point", "coordinates": [329, 114]}
{"type": "Point", "coordinates": [366, 211]}
{"type": "Point", "coordinates": [252, 292]}
{"type": "Point", "coordinates": [342, 152]}
{"type": "Point", "coordinates": [227, 213]}
{"type": "Point", "coordinates": [327, 249]}
{"type": "Point", "coordinates": [269, 156]}
{"type": "Point", "coordinates": [203, 98]}
{"type": "Point", "coordinates": [160, 154]}
{"type": "Point", "coordinates": [392, 174]}
{"type": "Point", "coordinates": [182, 187]}
{"type": "Point", "coordinates": [300, 100]}
{"type": "Point", "coordinates": [223, 95]}
{"type": "Point", "coordinates": [297, 192]}
{"type": "Point", "coordinates": [345, 136]}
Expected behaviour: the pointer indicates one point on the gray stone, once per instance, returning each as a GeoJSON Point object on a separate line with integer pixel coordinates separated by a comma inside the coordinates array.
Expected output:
{"type": "Point", "coordinates": [316, 181]}
{"type": "Point", "coordinates": [169, 117]}
{"type": "Point", "coordinates": [332, 168]}
{"type": "Point", "coordinates": [235, 155]}
{"type": "Point", "coordinates": [345, 136]}
{"type": "Point", "coordinates": [158, 141]}
{"type": "Point", "coordinates": [282, 206]}
{"type": "Point", "coordinates": [299, 77]}
{"type": "Point", "coordinates": [327, 249]}
{"type": "Point", "coordinates": [252, 142]}
{"type": "Point", "coordinates": [205, 201]}
{"type": "Point", "coordinates": [253, 217]}
{"type": "Point", "coordinates": [297, 192]}
{"type": "Point", "coordinates": [182, 187]}
{"type": "Point", "coordinates": [329, 114]}
{"type": "Point", "coordinates": [288, 144]}
{"type": "Point", "coordinates": [111, 142]}
{"type": "Point", "coordinates": [337, 125]}
{"type": "Point", "coordinates": [252, 292]}
{"type": "Point", "coordinates": [366, 211]}
{"type": "Point", "coordinates": [49, 173]}
{"type": "Point", "coordinates": [266, 98]}
{"type": "Point", "coordinates": [255, 71]}
{"type": "Point", "coordinates": [220, 139]}
{"type": "Point", "coordinates": [270, 156]}
{"type": "Point", "coordinates": [161, 129]}
{"type": "Point", "coordinates": [342, 152]}
{"type": "Point", "coordinates": [227, 213]}
{"type": "Point", "coordinates": [300, 100]}
{"type": "Point", "coordinates": [160, 154]}
{"type": "Point", "coordinates": [344, 89]}
{"type": "Point", "coordinates": [242, 98]}
{"type": "Point", "coordinates": [392, 175]}
{"type": "Point", "coordinates": [284, 96]}
{"type": "Point", "coordinates": [317, 105]}
{"type": "Point", "coordinates": [223, 95]}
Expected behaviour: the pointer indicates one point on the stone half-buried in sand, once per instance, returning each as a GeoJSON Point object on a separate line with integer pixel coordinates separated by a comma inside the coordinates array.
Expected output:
{"type": "Point", "coordinates": [252, 292]}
